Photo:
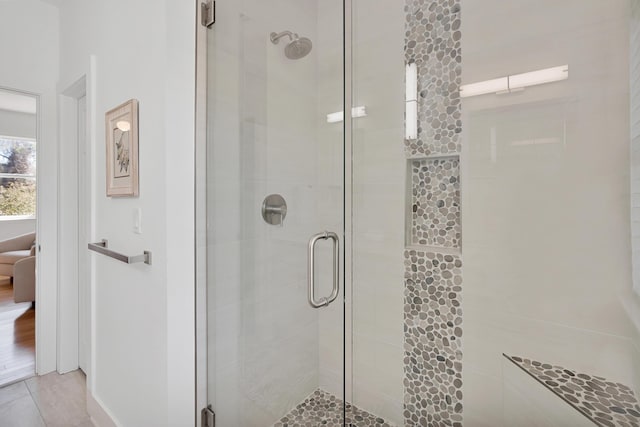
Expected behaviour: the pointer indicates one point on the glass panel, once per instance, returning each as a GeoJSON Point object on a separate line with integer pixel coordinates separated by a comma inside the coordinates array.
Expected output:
{"type": "Point", "coordinates": [17, 196]}
{"type": "Point", "coordinates": [545, 178]}
{"type": "Point", "coordinates": [493, 212]}
{"type": "Point", "coordinates": [17, 156]}
{"type": "Point", "coordinates": [378, 213]}
{"type": "Point", "coordinates": [17, 171]}
{"type": "Point", "coordinates": [516, 119]}
{"type": "Point", "coordinates": [275, 74]}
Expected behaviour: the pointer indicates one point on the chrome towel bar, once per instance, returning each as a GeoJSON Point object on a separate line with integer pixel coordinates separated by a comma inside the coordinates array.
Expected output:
{"type": "Point", "coordinates": [102, 248]}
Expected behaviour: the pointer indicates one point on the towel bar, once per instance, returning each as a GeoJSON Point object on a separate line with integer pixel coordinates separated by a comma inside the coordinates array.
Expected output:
{"type": "Point", "coordinates": [102, 248]}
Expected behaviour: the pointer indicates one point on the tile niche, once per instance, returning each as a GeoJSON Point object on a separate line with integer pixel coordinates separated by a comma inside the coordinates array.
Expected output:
{"type": "Point", "coordinates": [433, 217]}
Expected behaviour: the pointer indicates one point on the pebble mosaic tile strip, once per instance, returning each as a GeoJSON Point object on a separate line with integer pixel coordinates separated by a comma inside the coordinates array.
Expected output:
{"type": "Point", "coordinates": [433, 281]}
{"type": "Point", "coordinates": [606, 403]}
{"type": "Point", "coordinates": [435, 202]}
{"type": "Point", "coordinates": [433, 339]}
{"type": "Point", "coordinates": [325, 409]}
{"type": "Point", "coordinates": [432, 41]}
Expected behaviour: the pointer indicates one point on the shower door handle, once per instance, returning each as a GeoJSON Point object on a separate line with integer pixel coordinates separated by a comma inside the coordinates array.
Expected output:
{"type": "Point", "coordinates": [324, 301]}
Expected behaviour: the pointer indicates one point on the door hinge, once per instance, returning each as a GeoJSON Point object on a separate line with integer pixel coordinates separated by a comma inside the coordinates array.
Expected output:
{"type": "Point", "coordinates": [208, 12]}
{"type": "Point", "coordinates": [208, 417]}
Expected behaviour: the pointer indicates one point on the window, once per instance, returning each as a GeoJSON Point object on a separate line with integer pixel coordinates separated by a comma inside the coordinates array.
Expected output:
{"type": "Point", "coordinates": [17, 176]}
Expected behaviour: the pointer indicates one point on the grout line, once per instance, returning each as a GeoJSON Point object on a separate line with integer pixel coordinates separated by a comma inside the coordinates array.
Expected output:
{"type": "Point", "coordinates": [35, 402]}
{"type": "Point", "coordinates": [14, 398]}
{"type": "Point", "coordinates": [561, 324]}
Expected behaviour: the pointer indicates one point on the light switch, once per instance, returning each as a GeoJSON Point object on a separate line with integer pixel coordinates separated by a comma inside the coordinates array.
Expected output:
{"type": "Point", "coordinates": [137, 221]}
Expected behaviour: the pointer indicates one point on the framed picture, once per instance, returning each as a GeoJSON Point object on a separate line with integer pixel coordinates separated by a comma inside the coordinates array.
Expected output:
{"type": "Point", "coordinates": [122, 150]}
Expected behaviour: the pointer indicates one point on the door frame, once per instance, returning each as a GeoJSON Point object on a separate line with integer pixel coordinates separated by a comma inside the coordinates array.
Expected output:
{"type": "Point", "coordinates": [44, 352]}
{"type": "Point", "coordinates": [84, 231]}
{"type": "Point", "coordinates": [69, 248]}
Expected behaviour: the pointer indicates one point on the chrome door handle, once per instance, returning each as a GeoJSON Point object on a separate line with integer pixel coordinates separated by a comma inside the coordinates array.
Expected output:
{"type": "Point", "coordinates": [324, 301]}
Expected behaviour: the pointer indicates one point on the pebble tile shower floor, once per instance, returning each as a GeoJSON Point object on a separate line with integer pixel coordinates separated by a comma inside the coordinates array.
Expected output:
{"type": "Point", "coordinates": [324, 409]}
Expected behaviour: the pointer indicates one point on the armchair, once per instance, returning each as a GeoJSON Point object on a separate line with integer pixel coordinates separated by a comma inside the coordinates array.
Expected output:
{"type": "Point", "coordinates": [24, 280]}
{"type": "Point", "coordinates": [18, 261]}
{"type": "Point", "coordinates": [15, 249]}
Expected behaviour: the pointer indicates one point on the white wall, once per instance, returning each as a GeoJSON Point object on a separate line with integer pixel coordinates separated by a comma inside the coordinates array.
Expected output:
{"type": "Point", "coordinates": [15, 227]}
{"type": "Point", "coordinates": [32, 65]}
{"type": "Point", "coordinates": [545, 225]}
{"type": "Point", "coordinates": [143, 316]}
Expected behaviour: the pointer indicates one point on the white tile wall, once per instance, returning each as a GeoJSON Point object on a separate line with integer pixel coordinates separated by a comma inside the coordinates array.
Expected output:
{"type": "Point", "coordinates": [634, 80]}
{"type": "Point", "coordinates": [378, 208]}
{"type": "Point", "coordinates": [546, 225]}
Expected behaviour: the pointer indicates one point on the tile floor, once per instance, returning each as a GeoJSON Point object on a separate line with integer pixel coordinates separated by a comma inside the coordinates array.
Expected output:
{"type": "Point", "coordinates": [324, 409]}
{"type": "Point", "coordinates": [52, 400]}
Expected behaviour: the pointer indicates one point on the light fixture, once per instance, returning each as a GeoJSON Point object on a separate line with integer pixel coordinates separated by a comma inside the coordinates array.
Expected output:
{"type": "Point", "coordinates": [539, 77]}
{"type": "Point", "coordinates": [123, 125]}
{"type": "Point", "coordinates": [487, 86]}
{"type": "Point", "coordinates": [411, 101]}
{"type": "Point", "coordinates": [516, 82]}
{"type": "Point", "coordinates": [356, 112]}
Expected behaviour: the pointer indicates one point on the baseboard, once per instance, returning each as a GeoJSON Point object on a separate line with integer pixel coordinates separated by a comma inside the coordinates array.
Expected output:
{"type": "Point", "coordinates": [99, 415]}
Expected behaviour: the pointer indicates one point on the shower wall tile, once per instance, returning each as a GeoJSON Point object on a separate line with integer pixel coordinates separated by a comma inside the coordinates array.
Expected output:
{"type": "Point", "coordinates": [378, 208]}
{"type": "Point", "coordinates": [433, 280]}
{"type": "Point", "coordinates": [433, 43]}
{"type": "Point", "coordinates": [435, 202]}
{"type": "Point", "coordinates": [636, 362]}
{"type": "Point", "coordinates": [433, 339]}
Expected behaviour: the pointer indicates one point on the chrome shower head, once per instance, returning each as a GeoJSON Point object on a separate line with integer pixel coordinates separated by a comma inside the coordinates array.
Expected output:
{"type": "Point", "coordinates": [298, 47]}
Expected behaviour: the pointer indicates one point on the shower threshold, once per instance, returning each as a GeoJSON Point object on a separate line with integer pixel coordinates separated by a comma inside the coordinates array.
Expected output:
{"type": "Point", "coordinates": [324, 409]}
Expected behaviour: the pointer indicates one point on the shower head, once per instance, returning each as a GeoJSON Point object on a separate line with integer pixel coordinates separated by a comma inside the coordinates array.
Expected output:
{"type": "Point", "coordinates": [297, 48]}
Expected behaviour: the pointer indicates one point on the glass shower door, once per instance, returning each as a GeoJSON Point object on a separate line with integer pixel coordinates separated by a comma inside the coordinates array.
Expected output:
{"type": "Point", "coordinates": [275, 213]}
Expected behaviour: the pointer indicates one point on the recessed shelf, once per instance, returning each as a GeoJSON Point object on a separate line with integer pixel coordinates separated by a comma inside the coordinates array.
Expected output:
{"type": "Point", "coordinates": [433, 202]}
{"type": "Point", "coordinates": [435, 156]}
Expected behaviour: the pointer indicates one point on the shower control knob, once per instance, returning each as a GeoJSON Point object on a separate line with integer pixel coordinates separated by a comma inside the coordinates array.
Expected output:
{"type": "Point", "coordinates": [274, 209]}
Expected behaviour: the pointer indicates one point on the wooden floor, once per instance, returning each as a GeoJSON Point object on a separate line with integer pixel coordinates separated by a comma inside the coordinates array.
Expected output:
{"type": "Point", "coordinates": [17, 337]}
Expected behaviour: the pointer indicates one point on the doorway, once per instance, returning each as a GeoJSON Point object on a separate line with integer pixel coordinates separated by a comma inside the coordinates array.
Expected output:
{"type": "Point", "coordinates": [18, 225]}
{"type": "Point", "coordinates": [74, 230]}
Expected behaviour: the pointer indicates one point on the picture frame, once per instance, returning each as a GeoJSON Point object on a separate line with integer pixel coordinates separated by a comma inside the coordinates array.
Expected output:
{"type": "Point", "coordinates": [122, 150]}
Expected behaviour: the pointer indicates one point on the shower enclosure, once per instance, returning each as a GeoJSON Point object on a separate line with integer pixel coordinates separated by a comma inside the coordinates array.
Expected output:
{"type": "Point", "coordinates": [369, 163]}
